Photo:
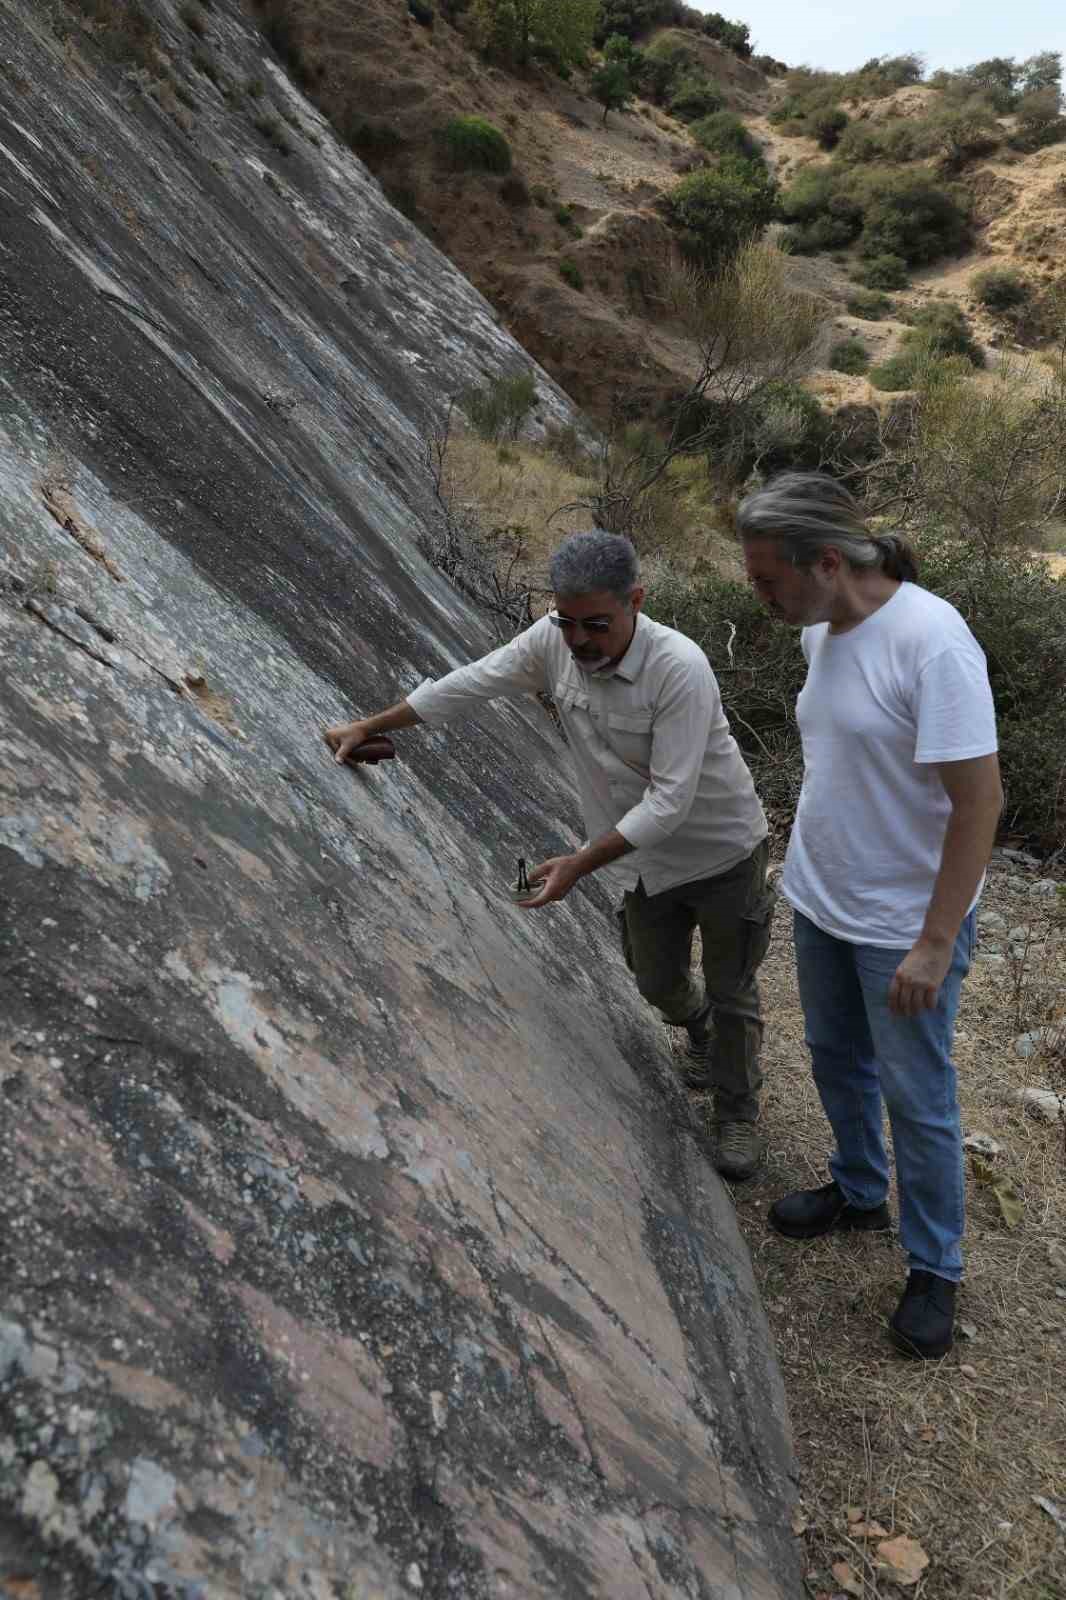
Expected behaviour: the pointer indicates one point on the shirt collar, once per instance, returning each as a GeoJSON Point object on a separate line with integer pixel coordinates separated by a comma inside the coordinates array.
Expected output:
{"type": "Point", "coordinates": [633, 661]}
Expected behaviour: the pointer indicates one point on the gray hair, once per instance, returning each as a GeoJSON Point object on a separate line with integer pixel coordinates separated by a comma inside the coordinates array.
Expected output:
{"type": "Point", "coordinates": [586, 563]}
{"type": "Point", "coordinates": [808, 512]}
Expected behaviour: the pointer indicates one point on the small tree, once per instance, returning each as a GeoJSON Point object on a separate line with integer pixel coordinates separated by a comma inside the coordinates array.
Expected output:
{"type": "Point", "coordinates": [1042, 71]}
{"type": "Point", "coordinates": [988, 462]}
{"type": "Point", "coordinates": [750, 334]}
{"type": "Point", "coordinates": [612, 87]}
{"type": "Point", "coordinates": [511, 28]}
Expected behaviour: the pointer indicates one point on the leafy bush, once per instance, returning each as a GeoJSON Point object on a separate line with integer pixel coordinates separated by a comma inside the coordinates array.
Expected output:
{"type": "Point", "coordinates": [498, 409]}
{"type": "Point", "coordinates": [1017, 612]}
{"type": "Point", "coordinates": [736, 36]}
{"type": "Point", "coordinates": [960, 131]}
{"type": "Point", "coordinates": [1040, 119]}
{"type": "Point", "coordinates": [943, 329]}
{"type": "Point", "coordinates": [695, 97]}
{"type": "Point", "coordinates": [825, 215]}
{"type": "Point", "coordinates": [375, 142]}
{"type": "Point", "coordinates": [665, 62]}
{"type": "Point", "coordinates": [571, 273]}
{"type": "Point", "coordinates": [869, 304]}
{"type": "Point", "coordinates": [999, 288]}
{"type": "Point", "coordinates": [827, 125]}
{"type": "Point", "coordinates": [895, 139]}
{"type": "Point", "coordinates": [898, 372]}
{"type": "Point", "coordinates": [716, 209]}
{"type": "Point", "coordinates": [789, 429]}
{"type": "Point", "coordinates": [906, 214]}
{"type": "Point", "coordinates": [849, 356]}
{"type": "Point", "coordinates": [759, 666]}
{"type": "Point", "coordinates": [884, 272]}
{"type": "Point", "coordinates": [723, 133]}
{"type": "Point", "coordinates": [474, 143]}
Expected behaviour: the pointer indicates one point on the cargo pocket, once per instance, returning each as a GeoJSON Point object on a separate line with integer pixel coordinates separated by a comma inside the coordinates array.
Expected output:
{"type": "Point", "coordinates": [758, 925]}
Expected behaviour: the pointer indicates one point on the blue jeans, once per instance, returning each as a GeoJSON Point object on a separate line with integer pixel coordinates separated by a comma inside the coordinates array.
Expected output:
{"type": "Point", "coordinates": [863, 1053]}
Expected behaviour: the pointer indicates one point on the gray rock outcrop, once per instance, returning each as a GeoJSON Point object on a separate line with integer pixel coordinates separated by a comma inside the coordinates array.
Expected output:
{"type": "Point", "coordinates": [351, 1243]}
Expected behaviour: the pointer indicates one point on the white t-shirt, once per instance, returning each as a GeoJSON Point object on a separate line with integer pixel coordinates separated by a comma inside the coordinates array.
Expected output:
{"type": "Point", "coordinates": [883, 702]}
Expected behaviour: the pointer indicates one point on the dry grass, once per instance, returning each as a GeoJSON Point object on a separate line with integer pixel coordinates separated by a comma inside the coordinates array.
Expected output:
{"type": "Point", "coordinates": [949, 1453]}
{"type": "Point", "coordinates": [523, 486]}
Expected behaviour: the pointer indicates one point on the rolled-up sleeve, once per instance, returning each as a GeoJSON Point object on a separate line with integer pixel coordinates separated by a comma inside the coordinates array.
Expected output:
{"type": "Point", "coordinates": [684, 715]}
{"type": "Point", "coordinates": [516, 668]}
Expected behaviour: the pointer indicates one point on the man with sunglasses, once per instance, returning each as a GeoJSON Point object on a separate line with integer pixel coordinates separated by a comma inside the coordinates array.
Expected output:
{"type": "Point", "coordinates": [672, 816]}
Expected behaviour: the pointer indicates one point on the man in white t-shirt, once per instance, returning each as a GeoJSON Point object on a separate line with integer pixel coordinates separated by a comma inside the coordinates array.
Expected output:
{"type": "Point", "coordinates": [896, 820]}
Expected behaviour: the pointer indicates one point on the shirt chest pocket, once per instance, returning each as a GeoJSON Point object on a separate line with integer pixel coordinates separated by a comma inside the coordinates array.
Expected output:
{"type": "Point", "coordinates": [621, 738]}
{"type": "Point", "coordinates": [628, 736]}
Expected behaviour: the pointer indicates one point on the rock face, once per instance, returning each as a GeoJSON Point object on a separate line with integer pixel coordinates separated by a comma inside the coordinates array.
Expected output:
{"type": "Point", "coordinates": [351, 1243]}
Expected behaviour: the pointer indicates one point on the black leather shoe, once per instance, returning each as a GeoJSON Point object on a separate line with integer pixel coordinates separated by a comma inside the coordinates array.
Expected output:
{"type": "Point", "coordinates": [924, 1321]}
{"type": "Point", "coordinates": [808, 1213]}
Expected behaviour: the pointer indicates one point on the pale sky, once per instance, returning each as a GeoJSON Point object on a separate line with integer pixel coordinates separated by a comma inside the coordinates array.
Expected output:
{"type": "Point", "coordinates": [842, 34]}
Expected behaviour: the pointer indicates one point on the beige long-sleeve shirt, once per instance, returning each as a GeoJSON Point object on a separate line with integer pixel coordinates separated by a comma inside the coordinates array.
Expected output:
{"type": "Point", "coordinates": [654, 755]}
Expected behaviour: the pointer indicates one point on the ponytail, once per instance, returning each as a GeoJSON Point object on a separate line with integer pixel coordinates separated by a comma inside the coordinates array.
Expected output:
{"type": "Point", "coordinates": [898, 559]}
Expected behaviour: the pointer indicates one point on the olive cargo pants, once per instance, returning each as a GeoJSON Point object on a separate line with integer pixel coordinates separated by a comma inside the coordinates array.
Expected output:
{"type": "Point", "coordinates": [733, 913]}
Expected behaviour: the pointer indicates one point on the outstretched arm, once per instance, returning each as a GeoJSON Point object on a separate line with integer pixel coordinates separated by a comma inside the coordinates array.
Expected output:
{"type": "Point", "coordinates": [514, 669]}
{"type": "Point", "coordinates": [344, 738]}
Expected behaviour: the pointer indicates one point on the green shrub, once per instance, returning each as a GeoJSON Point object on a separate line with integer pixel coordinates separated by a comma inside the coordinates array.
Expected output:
{"type": "Point", "coordinates": [884, 272]}
{"type": "Point", "coordinates": [571, 273]}
{"type": "Point", "coordinates": [898, 372]}
{"type": "Point", "coordinates": [869, 304]}
{"type": "Point", "coordinates": [564, 216]}
{"type": "Point", "coordinates": [666, 61]}
{"type": "Point", "coordinates": [723, 133]}
{"type": "Point", "coordinates": [736, 36]}
{"type": "Point", "coordinates": [896, 139]}
{"type": "Point", "coordinates": [716, 209]}
{"type": "Point", "coordinates": [999, 288]}
{"type": "Point", "coordinates": [944, 330]}
{"type": "Point", "coordinates": [421, 12]}
{"type": "Point", "coordinates": [1040, 119]}
{"type": "Point", "coordinates": [760, 670]}
{"type": "Point", "coordinates": [827, 125]}
{"type": "Point", "coordinates": [824, 214]}
{"type": "Point", "coordinates": [906, 214]}
{"type": "Point", "coordinates": [1017, 612]}
{"type": "Point", "coordinates": [849, 356]}
{"type": "Point", "coordinates": [695, 97]}
{"type": "Point", "coordinates": [475, 144]}
{"type": "Point", "coordinates": [373, 141]}
{"type": "Point", "coordinates": [498, 408]}
{"type": "Point", "coordinates": [790, 429]}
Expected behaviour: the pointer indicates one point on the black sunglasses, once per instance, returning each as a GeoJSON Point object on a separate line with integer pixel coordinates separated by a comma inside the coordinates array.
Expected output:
{"type": "Point", "coordinates": [592, 625]}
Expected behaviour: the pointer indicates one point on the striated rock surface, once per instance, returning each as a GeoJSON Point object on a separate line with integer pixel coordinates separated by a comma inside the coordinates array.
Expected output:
{"type": "Point", "coordinates": [351, 1243]}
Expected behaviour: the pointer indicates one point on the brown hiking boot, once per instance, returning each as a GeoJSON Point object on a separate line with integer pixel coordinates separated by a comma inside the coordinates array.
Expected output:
{"type": "Point", "coordinates": [738, 1150]}
{"type": "Point", "coordinates": [694, 1067]}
